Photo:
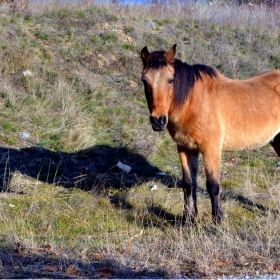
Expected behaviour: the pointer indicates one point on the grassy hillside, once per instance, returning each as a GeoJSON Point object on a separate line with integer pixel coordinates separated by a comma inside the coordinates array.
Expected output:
{"type": "Point", "coordinates": [72, 106]}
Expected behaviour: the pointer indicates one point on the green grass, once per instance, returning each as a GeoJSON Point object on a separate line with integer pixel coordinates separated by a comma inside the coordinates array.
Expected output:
{"type": "Point", "coordinates": [85, 110]}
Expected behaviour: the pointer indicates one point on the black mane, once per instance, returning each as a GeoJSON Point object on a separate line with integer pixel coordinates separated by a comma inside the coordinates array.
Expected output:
{"type": "Point", "coordinates": [185, 77]}
{"type": "Point", "coordinates": [156, 60]}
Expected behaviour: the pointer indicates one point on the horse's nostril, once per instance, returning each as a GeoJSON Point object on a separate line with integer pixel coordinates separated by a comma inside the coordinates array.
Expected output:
{"type": "Point", "coordinates": [162, 120]}
{"type": "Point", "coordinates": [158, 123]}
{"type": "Point", "coordinates": [153, 120]}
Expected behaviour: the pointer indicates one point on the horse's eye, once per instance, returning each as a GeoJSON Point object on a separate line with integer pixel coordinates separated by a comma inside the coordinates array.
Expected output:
{"type": "Point", "coordinates": [170, 82]}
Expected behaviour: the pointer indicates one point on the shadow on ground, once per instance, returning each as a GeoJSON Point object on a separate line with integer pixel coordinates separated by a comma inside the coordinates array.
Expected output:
{"type": "Point", "coordinates": [20, 264]}
{"type": "Point", "coordinates": [97, 165]}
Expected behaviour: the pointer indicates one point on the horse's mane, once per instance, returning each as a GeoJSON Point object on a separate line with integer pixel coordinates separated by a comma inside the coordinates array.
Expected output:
{"type": "Point", "coordinates": [185, 77]}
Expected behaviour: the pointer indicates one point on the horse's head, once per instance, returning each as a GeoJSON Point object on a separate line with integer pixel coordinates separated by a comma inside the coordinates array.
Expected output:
{"type": "Point", "coordinates": [158, 76]}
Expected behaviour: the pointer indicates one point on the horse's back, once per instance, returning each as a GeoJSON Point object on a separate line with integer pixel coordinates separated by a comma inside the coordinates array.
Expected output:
{"type": "Point", "coordinates": [271, 78]}
{"type": "Point", "coordinates": [268, 73]}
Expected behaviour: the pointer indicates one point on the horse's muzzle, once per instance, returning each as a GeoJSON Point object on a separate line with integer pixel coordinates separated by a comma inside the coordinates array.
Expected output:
{"type": "Point", "coordinates": [158, 124]}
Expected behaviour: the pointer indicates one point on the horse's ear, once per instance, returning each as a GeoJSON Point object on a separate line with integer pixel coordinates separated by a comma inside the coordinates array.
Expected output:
{"type": "Point", "coordinates": [170, 55]}
{"type": "Point", "coordinates": [144, 54]}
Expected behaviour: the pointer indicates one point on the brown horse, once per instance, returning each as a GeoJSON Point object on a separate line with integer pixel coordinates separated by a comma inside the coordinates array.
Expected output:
{"type": "Point", "coordinates": [206, 112]}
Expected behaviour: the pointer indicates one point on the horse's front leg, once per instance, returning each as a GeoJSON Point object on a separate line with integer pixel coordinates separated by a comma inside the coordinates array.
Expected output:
{"type": "Point", "coordinates": [212, 160]}
{"type": "Point", "coordinates": [189, 162]}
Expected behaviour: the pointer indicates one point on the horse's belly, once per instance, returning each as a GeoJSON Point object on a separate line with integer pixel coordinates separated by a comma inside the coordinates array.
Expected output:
{"type": "Point", "coordinates": [250, 139]}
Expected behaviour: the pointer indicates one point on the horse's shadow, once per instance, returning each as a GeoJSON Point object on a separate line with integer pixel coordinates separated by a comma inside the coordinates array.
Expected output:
{"type": "Point", "coordinates": [83, 169]}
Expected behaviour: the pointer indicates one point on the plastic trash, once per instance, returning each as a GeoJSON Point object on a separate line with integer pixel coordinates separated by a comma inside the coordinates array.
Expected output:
{"type": "Point", "coordinates": [124, 167]}
{"type": "Point", "coordinates": [161, 173]}
{"type": "Point", "coordinates": [27, 73]}
{"type": "Point", "coordinates": [154, 188]}
{"type": "Point", "coordinates": [24, 135]}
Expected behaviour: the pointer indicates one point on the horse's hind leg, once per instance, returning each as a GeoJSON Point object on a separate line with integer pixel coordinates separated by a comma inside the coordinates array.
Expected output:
{"type": "Point", "coordinates": [189, 162]}
{"type": "Point", "coordinates": [275, 143]}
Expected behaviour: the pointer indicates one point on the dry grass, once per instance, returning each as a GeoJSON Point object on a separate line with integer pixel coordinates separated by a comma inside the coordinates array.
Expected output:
{"type": "Point", "coordinates": [66, 209]}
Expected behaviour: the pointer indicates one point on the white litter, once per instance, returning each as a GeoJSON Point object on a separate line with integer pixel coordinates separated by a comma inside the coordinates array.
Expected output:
{"type": "Point", "coordinates": [154, 188]}
{"type": "Point", "coordinates": [27, 73]}
{"type": "Point", "coordinates": [24, 135]}
{"type": "Point", "coordinates": [124, 167]}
